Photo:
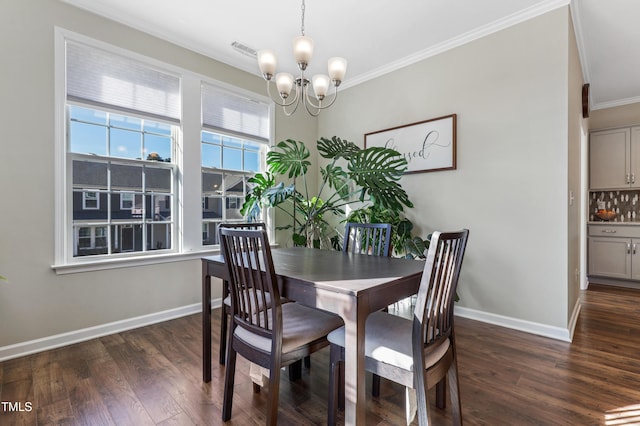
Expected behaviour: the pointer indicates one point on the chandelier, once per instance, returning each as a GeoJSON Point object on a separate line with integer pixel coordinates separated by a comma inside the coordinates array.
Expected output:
{"type": "Point", "coordinates": [285, 82]}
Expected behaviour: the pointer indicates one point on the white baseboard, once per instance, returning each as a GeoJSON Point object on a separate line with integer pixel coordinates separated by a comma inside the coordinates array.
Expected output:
{"type": "Point", "coordinates": [64, 339]}
{"type": "Point", "coordinates": [557, 333]}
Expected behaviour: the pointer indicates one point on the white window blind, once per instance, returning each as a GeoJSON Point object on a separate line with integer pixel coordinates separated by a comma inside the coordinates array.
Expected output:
{"type": "Point", "coordinates": [229, 112]}
{"type": "Point", "coordinates": [105, 79]}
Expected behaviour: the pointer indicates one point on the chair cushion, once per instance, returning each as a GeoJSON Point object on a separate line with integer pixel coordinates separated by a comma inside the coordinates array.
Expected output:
{"type": "Point", "coordinates": [388, 340]}
{"type": "Point", "coordinates": [301, 325]}
{"type": "Point", "coordinates": [227, 300]}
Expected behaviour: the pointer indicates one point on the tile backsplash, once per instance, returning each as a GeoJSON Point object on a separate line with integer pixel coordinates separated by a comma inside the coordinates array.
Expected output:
{"type": "Point", "coordinates": [625, 203]}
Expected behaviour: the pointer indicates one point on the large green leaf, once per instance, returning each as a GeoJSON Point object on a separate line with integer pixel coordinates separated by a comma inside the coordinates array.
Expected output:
{"type": "Point", "coordinates": [291, 157]}
{"type": "Point", "coordinates": [279, 193]}
{"type": "Point", "coordinates": [376, 171]}
{"type": "Point", "coordinates": [253, 201]}
{"type": "Point", "coordinates": [336, 178]}
{"type": "Point", "coordinates": [337, 148]}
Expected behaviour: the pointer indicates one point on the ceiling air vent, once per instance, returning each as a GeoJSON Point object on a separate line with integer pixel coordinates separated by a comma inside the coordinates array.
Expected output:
{"type": "Point", "coordinates": [244, 49]}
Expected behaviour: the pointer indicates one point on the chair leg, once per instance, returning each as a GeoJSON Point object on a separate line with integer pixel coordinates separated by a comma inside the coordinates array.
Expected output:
{"type": "Point", "coordinates": [441, 393]}
{"type": "Point", "coordinates": [334, 383]}
{"type": "Point", "coordinates": [274, 390]}
{"type": "Point", "coordinates": [229, 378]}
{"type": "Point", "coordinates": [223, 333]}
{"type": "Point", "coordinates": [295, 371]}
{"type": "Point", "coordinates": [307, 362]}
{"type": "Point", "coordinates": [375, 386]}
{"type": "Point", "coordinates": [454, 390]}
{"type": "Point", "coordinates": [341, 384]}
{"type": "Point", "coordinates": [421, 386]}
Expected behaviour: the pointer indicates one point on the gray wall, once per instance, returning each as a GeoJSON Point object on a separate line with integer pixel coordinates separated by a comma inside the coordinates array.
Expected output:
{"type": "Point", "coordinates": [510, 91]}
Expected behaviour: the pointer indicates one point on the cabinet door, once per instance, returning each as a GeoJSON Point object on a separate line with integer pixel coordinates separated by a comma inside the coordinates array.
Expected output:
{"type": "Point", "coordinates": [635, 259]}
{"type": "Point", "coordinates": [609, 161]}
{"type": "Point", "coordinates": [610, 257]}
{"type": "Point", "coordinates": [635, 157]}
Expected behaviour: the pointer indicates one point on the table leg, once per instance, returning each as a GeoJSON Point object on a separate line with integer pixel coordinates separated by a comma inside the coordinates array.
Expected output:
{"type": "Point", "coordinates": [206, 324]}
{"type": "Point", "coordinates": [354, 372]}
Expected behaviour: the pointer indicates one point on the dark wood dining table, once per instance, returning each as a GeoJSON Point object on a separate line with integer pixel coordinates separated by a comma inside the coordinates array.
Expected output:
{"type": "Point", "coordinates": [350, 285]}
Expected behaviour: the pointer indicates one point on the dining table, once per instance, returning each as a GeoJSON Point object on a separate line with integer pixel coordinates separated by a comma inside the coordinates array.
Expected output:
{"type": "Point", "coordinates": [349, 285]}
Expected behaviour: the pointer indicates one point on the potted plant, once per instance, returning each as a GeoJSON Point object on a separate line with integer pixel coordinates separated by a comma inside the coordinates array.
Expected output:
{"type": "Point", "coordinates": [370, 177]}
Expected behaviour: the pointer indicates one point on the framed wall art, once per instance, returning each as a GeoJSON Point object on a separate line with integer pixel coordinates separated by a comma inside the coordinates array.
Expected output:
{"type": "Point", "coordinates": [428, 145]}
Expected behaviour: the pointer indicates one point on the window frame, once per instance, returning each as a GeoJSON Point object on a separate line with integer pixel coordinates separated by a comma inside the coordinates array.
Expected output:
{"type": "Point", "coordinates": [188, 217]}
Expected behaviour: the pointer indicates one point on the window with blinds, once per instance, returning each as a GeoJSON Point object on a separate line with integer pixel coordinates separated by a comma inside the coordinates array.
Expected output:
{"type": "Point", "coordinates": [133, 131]}
{"type": "Point", "coordinates": [234, 142]}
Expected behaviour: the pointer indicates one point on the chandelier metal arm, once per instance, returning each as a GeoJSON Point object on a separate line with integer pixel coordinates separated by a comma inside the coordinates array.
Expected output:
{"type": "Point", "coordinates": [284, 103]}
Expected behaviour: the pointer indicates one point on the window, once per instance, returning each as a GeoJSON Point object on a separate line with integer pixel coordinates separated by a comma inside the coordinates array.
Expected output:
{"type": "Point", "coordinates": [233, 148]}
{"type": "Point", "coordinates": [90, 200]}
{"type": "Point", "coordinates": [131, 166]}
{"type": "Point", "coordinates": [123, 150]}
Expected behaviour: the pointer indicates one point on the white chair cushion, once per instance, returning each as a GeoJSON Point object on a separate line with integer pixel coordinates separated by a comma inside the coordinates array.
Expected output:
{"type": "Point", "coordinates": [301, 325]}
{"type": "Point", "coordinates": [227, 300]}
{"type": "Point", "coordinates": [388, 341]}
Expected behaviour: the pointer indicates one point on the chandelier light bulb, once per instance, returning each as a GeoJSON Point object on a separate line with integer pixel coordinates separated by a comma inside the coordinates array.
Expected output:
{"type": "Point", "coordinates": [302, 51]}
{"type": "Point", "coordinates": [284, 83]}
{"type": "Point", "coordinates": [267, 62]}
{"type": "Point", "coordinates": [337, 69]}
{"type": "Point", "coordinates": [320, 84]}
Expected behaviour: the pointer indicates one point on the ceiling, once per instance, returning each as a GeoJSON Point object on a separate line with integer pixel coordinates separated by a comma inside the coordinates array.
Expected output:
{"type": "Point", "coordinates": [377, 36]}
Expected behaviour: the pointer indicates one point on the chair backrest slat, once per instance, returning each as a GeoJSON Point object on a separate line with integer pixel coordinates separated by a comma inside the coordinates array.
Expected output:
{"type": "Point", "coordinates": [367, 238]}
{"type": "Point", "coordinates": [433, 314]}
{"type": "Point", "coordinates": [252, 276]}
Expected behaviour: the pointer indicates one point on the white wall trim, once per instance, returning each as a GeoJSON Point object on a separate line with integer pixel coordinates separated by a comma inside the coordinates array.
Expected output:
{"type": "Point", "coordinates": [475, 34]}
{"type": "Point", "coordinates": [574, 319]}
{"type": "Point", "coordinates": [616, 103]}
{"type": "Point", "coordinates": [557, 333]}
{"type": "Point", "coordinates": [64, 339]}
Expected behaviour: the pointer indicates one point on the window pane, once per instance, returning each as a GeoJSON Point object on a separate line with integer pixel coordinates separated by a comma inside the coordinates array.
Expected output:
{"type": "Point", "coordinates": [124, 122]}
{"type": "Point", "coordinates": [234, 184]}
{"type": "Point", "coordinates": [87, 138]}
{"type": "Point", "coordinates": [251, 161]}
{"type": "Point", "coordinates": [211, 156]}
{"type": "Point", "coordinates": [158, 236]}
{"type": "Point", "coordinates": [125, 144]}
{"type": "Point", "coordinates": [211, 183]}
{"type": "Point", "coordinates": [126, 238]}
{"type": "Point", "coordinates": [158, 128]}
{"type": "Point", "coordinates": [158, 207]}
{"type": "Point", "coordinates": [212, 208]}
{"type": "Point", "coordinates": [89, 208]}
{"type": "Point", "coordinates": [119, 212]}
{"type": "Point", "coordinates": [126, 177]}
{"type": "Point", "coordinates": [211, 138]}
{"type": "Point", "coordinates": [233, 206]}
{"type": "Point", "coordinates": [233, 142]}
{"type": "Point", "coordinates": [89, 173]}
{"type": "Point", "coordinates": [232, 158]}
{"type": "Point", "coordinates": [157, 148]}
{"type": "Point", "coordinates": [157, 180]}
{"type": "Point", "coordinates": [88, 115]}
{"type": "Point", "coordinates": [210, 233]}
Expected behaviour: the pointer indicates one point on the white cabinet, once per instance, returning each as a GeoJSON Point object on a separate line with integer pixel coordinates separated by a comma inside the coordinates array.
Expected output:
{"type": "Point", "coordinates": [614, 251]}
{"type": "Point", "coordinates": [614, 159]}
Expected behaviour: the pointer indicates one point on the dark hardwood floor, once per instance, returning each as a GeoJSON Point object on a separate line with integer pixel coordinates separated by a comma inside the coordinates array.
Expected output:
{"type": "Point", "coordinates": [153, 375]}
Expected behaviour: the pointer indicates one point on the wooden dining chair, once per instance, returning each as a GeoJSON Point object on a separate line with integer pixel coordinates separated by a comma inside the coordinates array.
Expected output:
{"type": "Point", "coordinates": [367, 238]}
{"type": "Point", "coordinates": [395, 345]}
{"type": "Point", "coordinates": [226, 298]}
{"type": "Point", "coordinates": [271, 338]}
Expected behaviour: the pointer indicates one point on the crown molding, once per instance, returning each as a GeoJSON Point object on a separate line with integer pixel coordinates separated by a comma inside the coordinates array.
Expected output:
{"type": "Point", "coordinates": [478, 33]}
{"type": "Point", "coordinates": [615, 103]}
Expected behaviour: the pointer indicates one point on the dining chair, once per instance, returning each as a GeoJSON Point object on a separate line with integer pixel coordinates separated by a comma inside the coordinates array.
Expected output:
{"type": "Point", "coordinates": [226, 298]}
{"type": "Point", "coordinates": [367, 238]}
{"type": "Point", "coordinates": [394, 345]}
{"type": "Point", "coordinates": [271, 338]}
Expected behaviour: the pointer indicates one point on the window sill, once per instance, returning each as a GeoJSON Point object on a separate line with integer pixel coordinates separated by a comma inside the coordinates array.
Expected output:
{"type": "Point", "coordinates": [99, 265]}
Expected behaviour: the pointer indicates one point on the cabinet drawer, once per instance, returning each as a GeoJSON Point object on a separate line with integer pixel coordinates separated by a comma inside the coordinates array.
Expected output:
{"type": "Point", "coordinates": [623, 231]}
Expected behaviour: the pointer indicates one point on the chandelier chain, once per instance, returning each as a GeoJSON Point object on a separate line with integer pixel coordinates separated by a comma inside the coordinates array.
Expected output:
{"type": "Point", "coordinates": [302, 26]}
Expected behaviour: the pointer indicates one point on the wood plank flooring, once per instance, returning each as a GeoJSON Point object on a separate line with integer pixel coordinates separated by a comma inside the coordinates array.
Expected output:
{"type": "Point", "coordinates": [153, 376]}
